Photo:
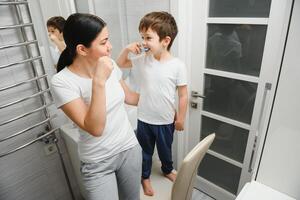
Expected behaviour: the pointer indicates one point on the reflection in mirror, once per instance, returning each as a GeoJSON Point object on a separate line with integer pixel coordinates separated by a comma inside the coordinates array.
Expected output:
{"type": "Point", "coordinates": [55, 27]}
{"type": "Point", "coordinates": [229, 97]}
{"type": "Point", "coordinates": [122, 18]}
{"type": "Point", "coordinates": [236, 48]}
{"type": "Point", "coordinates": [230, 140]}
{"type": "Point", "coordinates": [239, 8]}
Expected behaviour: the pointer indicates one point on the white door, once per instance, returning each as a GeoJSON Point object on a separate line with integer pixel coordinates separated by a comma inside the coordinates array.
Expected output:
{"type": "Point", "coordinates": [236, 54]}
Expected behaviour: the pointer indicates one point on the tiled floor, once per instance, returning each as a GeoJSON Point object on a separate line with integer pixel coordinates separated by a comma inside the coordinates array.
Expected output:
{"type": "Point", "coordinates": [162, 187]}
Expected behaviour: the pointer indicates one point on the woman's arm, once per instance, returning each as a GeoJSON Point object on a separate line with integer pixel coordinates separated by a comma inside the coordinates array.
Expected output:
{"type": "Point", "coordinates": [131, 98]}
{"type": "Point", "coordinates": [92, 118]}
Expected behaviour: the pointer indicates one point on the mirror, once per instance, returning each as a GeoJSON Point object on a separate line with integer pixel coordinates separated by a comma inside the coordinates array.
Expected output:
{"type": "Point", "coordinates": [122, 18]}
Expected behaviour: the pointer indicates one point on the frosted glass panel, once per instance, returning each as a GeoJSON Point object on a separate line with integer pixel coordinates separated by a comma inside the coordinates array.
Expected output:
{"type": "Point", "coordinates": [236, 48]}
{"type": "Point", "coordinates": [230, 141]}
{"type": "Point", "coordinates": [239, 8]}
{"type": "Point", "coordinates": [230, 98]}
{"type": "Point", "coordinates": [220, 173]}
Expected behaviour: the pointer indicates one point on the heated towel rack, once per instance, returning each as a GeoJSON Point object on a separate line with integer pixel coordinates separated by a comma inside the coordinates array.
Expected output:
{"type": "Point", "coordinates": [37, 96]}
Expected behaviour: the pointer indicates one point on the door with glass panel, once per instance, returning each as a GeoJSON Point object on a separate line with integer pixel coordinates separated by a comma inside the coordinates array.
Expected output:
{"type": "Point", "coordinates": [229, 68]}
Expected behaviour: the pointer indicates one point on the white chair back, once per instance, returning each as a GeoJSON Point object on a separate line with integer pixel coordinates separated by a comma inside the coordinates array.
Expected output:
{"type": "Point", "coordinates": [183, 186]}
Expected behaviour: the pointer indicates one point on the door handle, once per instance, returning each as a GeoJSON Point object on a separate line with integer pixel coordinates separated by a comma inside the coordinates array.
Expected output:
{"type": "Point", "coordinates": [268, 87]}
{"type": "Point", "coordinates": [197, 95]}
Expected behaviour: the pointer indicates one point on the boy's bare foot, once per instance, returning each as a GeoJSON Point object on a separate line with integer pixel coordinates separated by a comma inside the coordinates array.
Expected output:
{"type": "Point", "coordinates": [171, 176]}
{"type": "Point", "coordinates": [148, 190]}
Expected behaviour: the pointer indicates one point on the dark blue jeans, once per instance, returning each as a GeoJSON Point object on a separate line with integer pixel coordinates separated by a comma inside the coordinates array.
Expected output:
{"type": "Point", "coordinates": [162, 135]}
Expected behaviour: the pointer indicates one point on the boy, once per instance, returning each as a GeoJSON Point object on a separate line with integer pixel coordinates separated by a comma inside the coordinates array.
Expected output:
{"type": "Point", "coordinates": [55, 26]}
{"type": "Point", "coordinates": [160, 75]}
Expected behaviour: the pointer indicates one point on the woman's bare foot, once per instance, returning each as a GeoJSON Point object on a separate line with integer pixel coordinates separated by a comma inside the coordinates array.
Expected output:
{"type": "Point", "coordinates": [171, 176]}
{"type": "Point", "coordinates": [148, 190]}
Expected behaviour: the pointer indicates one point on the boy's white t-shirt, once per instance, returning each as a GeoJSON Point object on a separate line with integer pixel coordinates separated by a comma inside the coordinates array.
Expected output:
{"type": "Point", "coordinates": [118, 134]}
{"type": "Point", "coordinates": [55, 54]}
{"type": "Point", "coordinates": [157, 87]}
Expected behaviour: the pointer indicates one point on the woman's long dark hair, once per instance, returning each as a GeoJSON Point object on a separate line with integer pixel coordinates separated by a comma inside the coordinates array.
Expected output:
{"type": "Point", "coordinates": [79, 29]}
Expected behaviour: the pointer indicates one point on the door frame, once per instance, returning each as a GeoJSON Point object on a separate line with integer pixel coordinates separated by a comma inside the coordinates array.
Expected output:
{"type": "Point", "coordinates": [192, 22]}
{"type": "Point", "coordinates": [181, 48]}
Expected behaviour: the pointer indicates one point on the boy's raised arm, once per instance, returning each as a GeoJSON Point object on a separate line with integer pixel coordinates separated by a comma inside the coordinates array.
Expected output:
{"type": "Point", "coordinates": [123, 61]}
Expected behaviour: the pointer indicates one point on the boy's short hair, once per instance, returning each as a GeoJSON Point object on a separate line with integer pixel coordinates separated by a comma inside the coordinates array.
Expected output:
{"type": "Point", "coordinates": [57, 22]}
{"type": "Point", "coordinates": [163, 23]}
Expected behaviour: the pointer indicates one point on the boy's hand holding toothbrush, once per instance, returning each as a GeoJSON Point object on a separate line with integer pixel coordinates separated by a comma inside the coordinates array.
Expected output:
{"type": "Point", "coordinates": [136, 48]}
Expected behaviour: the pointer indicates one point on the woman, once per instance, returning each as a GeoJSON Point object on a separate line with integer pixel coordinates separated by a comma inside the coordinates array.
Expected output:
{"type": "Point", "coordinates": [89, 89]}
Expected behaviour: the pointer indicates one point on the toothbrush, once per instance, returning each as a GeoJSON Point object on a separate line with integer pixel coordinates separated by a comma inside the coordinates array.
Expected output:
{"type": "Point", "coordinates": [144, 49]}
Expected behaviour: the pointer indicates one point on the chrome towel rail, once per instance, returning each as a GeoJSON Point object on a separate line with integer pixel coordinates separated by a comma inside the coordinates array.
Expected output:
{"type": "Point", "coordinates": [5, 3]}
{"type": "Point", "coordinates": [29, 128]}
{"type": "Point", "coordinates": [24, 98]}
{"type": "Point", "coordinates": [16, 26]}
{"type": "Point", "coordinates": [21, 29]}
{"type": "Point", "coordinates": [18, 44]}
{"type": "Point", "coordinates": [25, 114]}
{"type": "Point", "coordinates": [27, 144]}
{"type": "Point", "coordinates": [21, 62]}
{"type": "Point", "coordinates": [23, 82]}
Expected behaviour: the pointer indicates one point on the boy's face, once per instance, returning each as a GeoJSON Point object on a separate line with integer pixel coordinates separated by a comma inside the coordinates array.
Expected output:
{"type": "Point", "coordinates": [54, 32]}
{"type": "Point", "coordinates": [151, 41]}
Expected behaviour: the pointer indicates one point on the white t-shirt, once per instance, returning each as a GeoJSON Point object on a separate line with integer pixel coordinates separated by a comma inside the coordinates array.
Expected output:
{"type": "Point", "coordinates": [157, 87]}
{"type": "Point", "coordinates": [118, 134]}
{"type": "Point", "coordinates": [55, 54]}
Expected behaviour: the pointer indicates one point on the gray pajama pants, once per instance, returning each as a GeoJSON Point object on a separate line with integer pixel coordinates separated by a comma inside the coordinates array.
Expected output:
{"type": "Point", "coordinates": [114, 178]}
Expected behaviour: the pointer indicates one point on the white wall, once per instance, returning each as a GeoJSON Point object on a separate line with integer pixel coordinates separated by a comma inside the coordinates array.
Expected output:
{"type": "Point", "coordinates": [280, 164]}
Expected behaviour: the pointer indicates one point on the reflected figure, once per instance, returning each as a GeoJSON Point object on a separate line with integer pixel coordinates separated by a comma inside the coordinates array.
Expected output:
{"type": "Point", "coordinates": [55, 26]}
{"type": "Point", "coordinates": [242, 97]}
{"type": "Point", "coordinates": [233, 99]}
{"type": "Point", "coordinates": [224, 49]}
{"type": "Point", "coordinates": [230, 98]}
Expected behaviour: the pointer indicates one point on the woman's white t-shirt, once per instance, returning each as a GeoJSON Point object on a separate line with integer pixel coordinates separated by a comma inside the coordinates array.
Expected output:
{"type": "Point", "coordinates": [118, 134]}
